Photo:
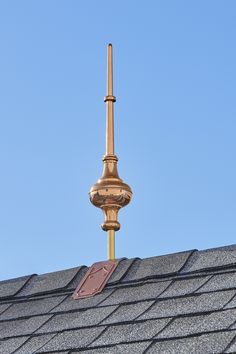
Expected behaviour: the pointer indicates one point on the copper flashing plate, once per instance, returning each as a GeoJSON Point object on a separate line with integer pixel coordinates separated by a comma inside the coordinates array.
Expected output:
{"type": "Point", "coordinates": [95, 279]}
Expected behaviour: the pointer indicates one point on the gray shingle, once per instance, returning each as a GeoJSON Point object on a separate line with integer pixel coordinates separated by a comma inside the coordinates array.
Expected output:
{"type": "Point", "coordinates": [136, 293]}
{"type": "Point", "coordinates": [8, 346]}
{"type": "Point", "coordinates": [219, 282]}
{"type": "Point", "coordinates": [57, 352]}
{"type": "Point", "coordinates": [70, 304]}
{"type": "Point", "coordinates": [212, 258]}
{"type": "Point", "coordinates": [121, 270]}
{"type": "Point", "coordinates": [211, 343]}
{"type": "Point", "coordinates": [72, 339]}
{"type": "Point", "coordinates": [11, 287]}
{"type": "Point", "coordinates": [21, 327]}
{"type": "Point", "coordinates": [71, 320]}
{"type": "Point", "coordinates": [49, 282]}
{"type": "Point", "coordinates": [34, 344]}
{"type": "Point", "coordinates": [128, 312]}
{"type": "Point", "coordinates": [131, 332]}
{"type": "Point", "coordinates": [231, 304]}
{"type": "Point", "coordinates": [184, 286]}
{"type": "Point", "coordinates": [156, 266]}
{"type": "Point", "coordinates": [3, 307]}
{"type": "Point", "coordinates": [134, 348]}
{"type": "Point", "coordinates": [234, 325]}
{"type": "Point", "coordinates": [30, 308]}
{"type": "Point", "coordinates": [185, 326]}
{"type": "Point", "coordinates": [232, 347]}
{"type": "Point", "coordinates": [190, 304]}
{"type": "Point", "coordinates": [77, 279]}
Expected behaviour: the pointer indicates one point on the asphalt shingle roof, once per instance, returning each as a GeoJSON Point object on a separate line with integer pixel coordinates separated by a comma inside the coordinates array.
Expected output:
{"type": "Point", "coordinates": [178, 303]}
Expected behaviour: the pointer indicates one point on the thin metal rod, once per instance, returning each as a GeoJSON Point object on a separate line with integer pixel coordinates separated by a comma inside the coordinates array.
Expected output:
{"type": "Point", "coordinates": [111, 244]}
{"type": "Point", "coordinates": [109, 70]}
{"type": "Point", "coordinates": [109, 99]}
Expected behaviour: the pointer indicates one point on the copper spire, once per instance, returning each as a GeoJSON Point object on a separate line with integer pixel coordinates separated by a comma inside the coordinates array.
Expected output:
{"type": "Point", "coordinates": [110, 193]}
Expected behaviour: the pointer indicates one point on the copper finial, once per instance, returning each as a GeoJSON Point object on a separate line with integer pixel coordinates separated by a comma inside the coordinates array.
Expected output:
{"type": "Point", "coordinates": [110, 193]}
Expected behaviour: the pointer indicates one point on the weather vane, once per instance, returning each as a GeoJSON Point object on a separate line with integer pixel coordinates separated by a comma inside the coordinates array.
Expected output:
{"type": "Point", "coordinates": [110, 193]}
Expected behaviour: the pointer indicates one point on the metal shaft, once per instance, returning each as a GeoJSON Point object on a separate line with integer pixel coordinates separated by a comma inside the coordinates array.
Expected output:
{"type": "Point", "coordinates": [109, 70]}
{"type": "Point", "coordinates": [109, 99]}
{"type": "Point", "coordinates": [111, 244]}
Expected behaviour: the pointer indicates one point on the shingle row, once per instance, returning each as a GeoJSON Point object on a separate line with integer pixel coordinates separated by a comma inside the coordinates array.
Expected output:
{"type": "Point", "coordinates": [139, 335]}
{"type": "Point", "coordinates": [153, 298]}
{"type": "Point", "coordinates": [55, 329]}
{"type": "Point", "coordinates": [136, 292]}
{"type": "Point", "coordinates": [127, 271]}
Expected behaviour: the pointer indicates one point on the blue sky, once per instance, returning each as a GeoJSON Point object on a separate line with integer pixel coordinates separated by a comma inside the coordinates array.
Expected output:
{"type": "Point", "coordinates": [175, 126]}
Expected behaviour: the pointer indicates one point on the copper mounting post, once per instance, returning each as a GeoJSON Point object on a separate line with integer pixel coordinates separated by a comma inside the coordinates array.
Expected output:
{"type": "Point", "coordinates": [111, 244]}
{"type": "Point", "coordinates": [110, 193]}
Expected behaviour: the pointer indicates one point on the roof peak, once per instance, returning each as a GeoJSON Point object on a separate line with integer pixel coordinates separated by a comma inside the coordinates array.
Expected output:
{"type": "Point", "coordinates": [211, 258]}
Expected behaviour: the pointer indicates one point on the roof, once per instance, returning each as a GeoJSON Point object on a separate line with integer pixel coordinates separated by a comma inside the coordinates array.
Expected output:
{"type": "Point", "coordinates": [178, 303]}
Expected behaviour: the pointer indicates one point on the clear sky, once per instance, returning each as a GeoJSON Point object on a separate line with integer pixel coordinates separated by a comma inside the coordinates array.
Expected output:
{"type": "Point", "coordinates": [175, 126]}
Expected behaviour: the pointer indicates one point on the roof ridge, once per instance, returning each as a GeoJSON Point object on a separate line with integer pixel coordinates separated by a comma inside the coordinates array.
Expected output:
{"type": "Point", "coordinates": [192, 252]}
